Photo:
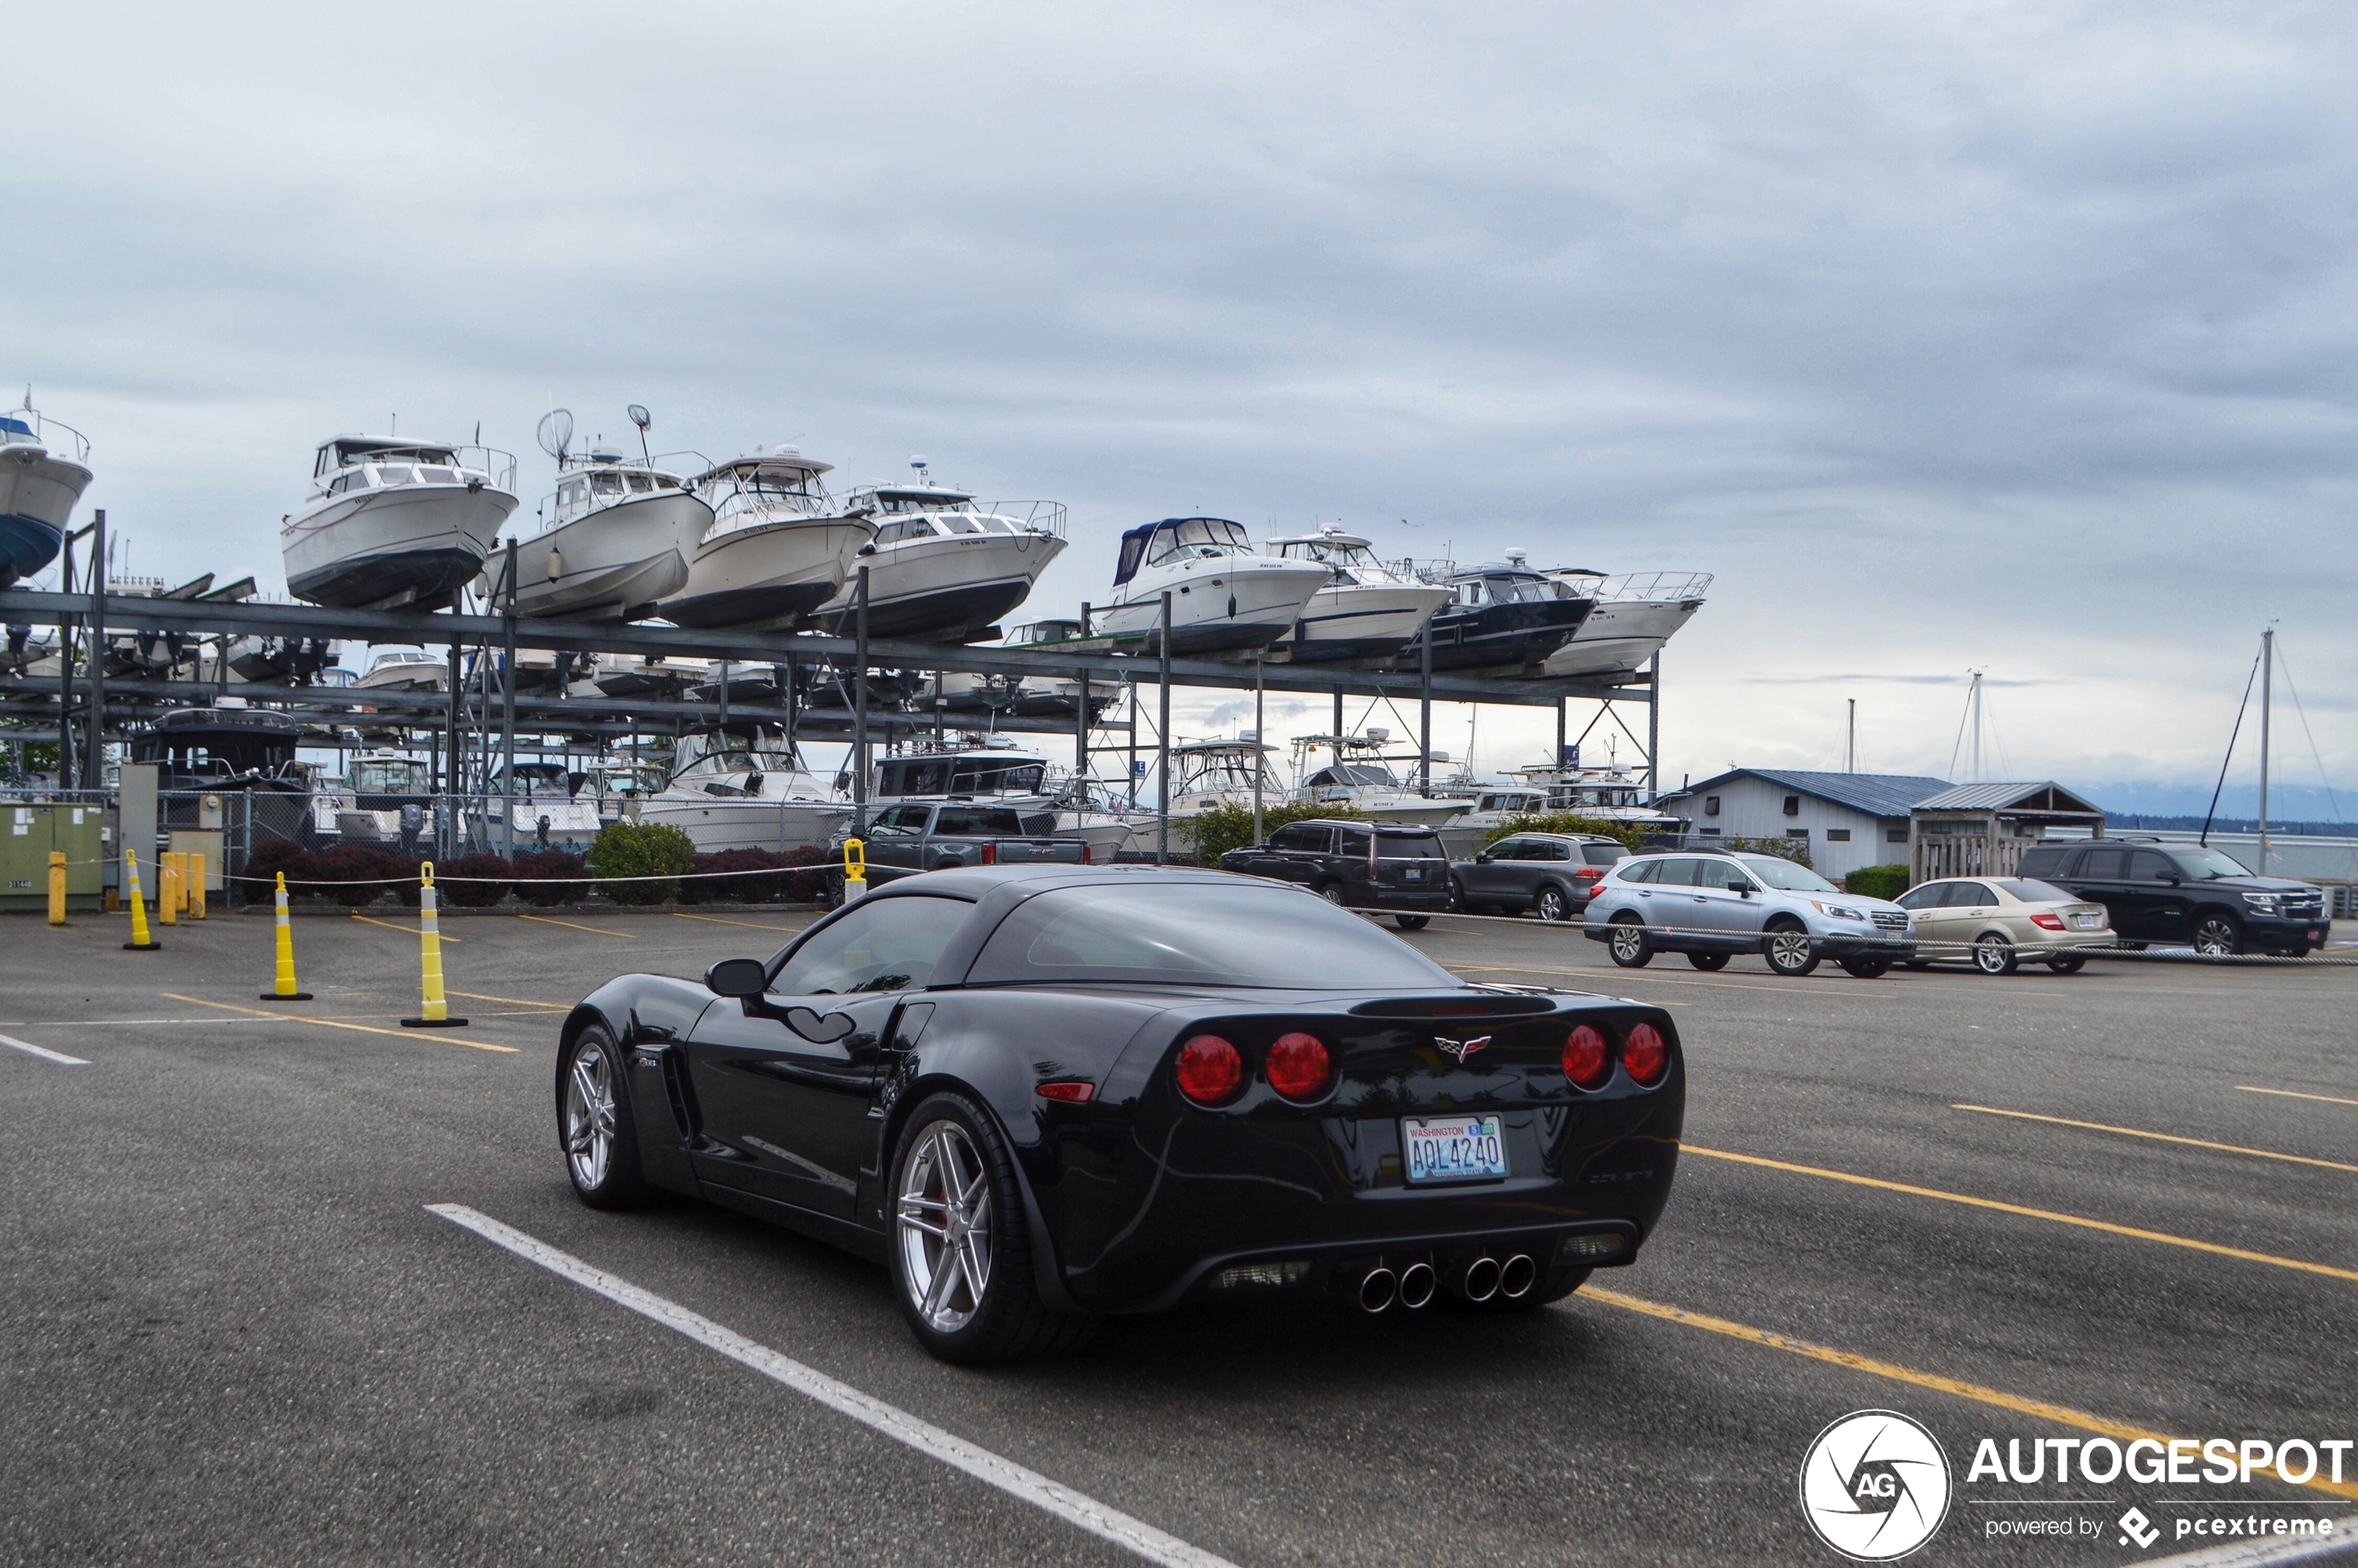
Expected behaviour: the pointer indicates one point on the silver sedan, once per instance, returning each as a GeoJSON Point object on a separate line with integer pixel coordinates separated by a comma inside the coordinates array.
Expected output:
{"type": "Point", "coordinates": [1997, 922]}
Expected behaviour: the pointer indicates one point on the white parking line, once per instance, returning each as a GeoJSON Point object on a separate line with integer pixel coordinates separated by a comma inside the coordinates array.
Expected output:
{"type": "Point", "coordinates": [42, 1051]}
{"type": "Point", "coordinates": [1028, 1485]}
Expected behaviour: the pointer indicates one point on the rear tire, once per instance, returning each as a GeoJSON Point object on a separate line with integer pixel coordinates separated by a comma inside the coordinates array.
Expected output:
{"type": "Point", "coordinates": [2066, 966]}
{"type": "Point", "coordinates": [1789, 950]}
{"type": "Point", "coordinates": [1331, 892]}
{"type": "Point", "coordinates": [1629, 943]}
{"type": "Point", "coordinates": [1993, 954]}
{"type": "Point", "coordinates": [1553, 906]}
{"type": "Point", "coordinates": [949, 1141]}
{"type": "Point", "coordinates": [1412, 922]}
{"type": "Point", "coordinates": [1866, 968]}
{"type": "Point", "coordinates": [1457, 900]}
{"type": "Point", "coordinates": [2219, 936]}
{"type": "Point", "coordinates": [594, 1126]}
{"type": "Point", "coordinates": [1710, 962]}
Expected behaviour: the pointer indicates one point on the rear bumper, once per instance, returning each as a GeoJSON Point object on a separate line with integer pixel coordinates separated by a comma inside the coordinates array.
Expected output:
{"type": "Point", "coordinates": [1434, 901]}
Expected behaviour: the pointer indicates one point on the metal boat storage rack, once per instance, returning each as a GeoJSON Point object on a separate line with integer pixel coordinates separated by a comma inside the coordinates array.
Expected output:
{"type": "Point", "coordinates": [95, 707]}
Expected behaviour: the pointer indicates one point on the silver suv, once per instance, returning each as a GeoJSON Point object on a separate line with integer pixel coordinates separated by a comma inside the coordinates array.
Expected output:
{"type": "Point", "coordinates": [1713, 905]}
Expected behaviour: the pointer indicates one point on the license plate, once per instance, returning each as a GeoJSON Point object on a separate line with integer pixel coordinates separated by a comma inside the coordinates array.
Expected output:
{"type": "Point", "coordinates": [1415, 873]}
{"type": "Point", "coordinates": [2088, 922]}
{"type": "Point", "coordinates": [1452, 1148]}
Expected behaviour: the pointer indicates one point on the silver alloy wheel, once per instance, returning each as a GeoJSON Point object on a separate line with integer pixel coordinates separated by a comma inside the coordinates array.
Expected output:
{"type": "Point", "coordinates": [1993, 954]}
{"type": "Point", "coordinates": [1552, 905]}
{"type": "Point", "coordinates": [1331, 892]}
{"type": "Point", "coordinates": [1628, 942]}
{"type": "Point", "coordinates": [945, 1223]}
{"type": "Point", "coordinates": [2217, 937]}
{"type": "Point", "coordinates": [589, 1117]}
{"type": "Point", "coordinates": [1788, 949]}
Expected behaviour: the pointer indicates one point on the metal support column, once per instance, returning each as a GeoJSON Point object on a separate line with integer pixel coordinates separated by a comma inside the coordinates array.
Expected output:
{"type": "Point", "coordinates": [2267, 694]}
{"type": "Point", "coordinates": [1162, 743]}
{"type": "Point", "coordinates": [860, 709]}
{"type": "Point", "coordinates": [94, 755]}
{"type": "Point", "coordinates": [68, 773]}
{"type": "Point", "coordinates": [1424, 713]}
{"type": "Point", "coordinates": [1080, 737]}
{"type": "Point", "coordinates": [1557, 760]}
{"type": "Point", "coordinates": [1653, 727]}
{"type": "Point", "coordinates": [1258, 742]}
{"type": "Point", "coordinates": [508, 713]}
{"type": "Point", "coordinates": [1338, 729]}
{"type": "Point", "coordinates": [1131, 784]}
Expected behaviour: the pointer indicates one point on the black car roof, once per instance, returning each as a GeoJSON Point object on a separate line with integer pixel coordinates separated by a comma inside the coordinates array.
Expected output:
{"type": "Point", "coordinates": [974, 881]}
{"type": "Point", "coordinates": [1376, 823]}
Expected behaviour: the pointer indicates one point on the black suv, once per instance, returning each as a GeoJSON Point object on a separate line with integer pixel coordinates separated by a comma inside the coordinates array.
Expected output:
{"type": "Point", "coordinates": [2185, 893]}
{"type": "Point", "coordinates": [1360, 865]}
{"type": "Point", "coordinates": [1553, 872]}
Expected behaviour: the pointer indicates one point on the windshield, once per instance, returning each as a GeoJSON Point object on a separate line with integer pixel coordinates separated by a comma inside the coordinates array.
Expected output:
{"type": "Point", "coordinates": [1196, 536]}
{"type": "Point", "coordinates": [2203, 864]}
{"type": "Point", "coordinates": [1199, 934]}
{"type": "Point", "coordinates": [1785, 874]}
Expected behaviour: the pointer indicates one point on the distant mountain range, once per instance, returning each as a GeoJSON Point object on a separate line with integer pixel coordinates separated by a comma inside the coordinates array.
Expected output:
{"type": "Point", "coordinates": [2151, 804]}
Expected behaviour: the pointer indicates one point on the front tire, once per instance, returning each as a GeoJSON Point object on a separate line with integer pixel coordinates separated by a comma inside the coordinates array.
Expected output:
{"type": "Point", "coordinates": [1331, 892]}
{"type": "Point", "coordinates": [1553, 906]}
{"type": "Point", "coordinates": [1866, 968]}
{"type": "Point", "coordinates": [961, 1249]}
{"type": "Point", "coordinates": [1790, 950]}
{"type": "Point", "coordinates": [594, 1126]}
{"type": "Point", "coordinates": [1710, 962]}
{"type": "Point", "coordinates": [2219, 936]}
{"type": "Point", "coordinates": [1629, 943]}
{"type": "Point", "coordinates": [1412, 922]}
{"type": "Point", "coordinates": [1993, 954]}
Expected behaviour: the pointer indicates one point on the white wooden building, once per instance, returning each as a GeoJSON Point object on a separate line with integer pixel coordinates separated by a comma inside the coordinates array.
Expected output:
{"type": "Point", "coordinates": [1848, 820]}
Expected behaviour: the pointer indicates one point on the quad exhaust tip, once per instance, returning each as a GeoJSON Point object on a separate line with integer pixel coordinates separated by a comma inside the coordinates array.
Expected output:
{"type": "Point", "coordinates": [1377, 1289]}
{"type": "Point", "coordinates": [1517, 1275]}
{"type": "Point", "coordinates": [1476, 1280]}
{"type": "Point", "coordinates": [1418, 1282]}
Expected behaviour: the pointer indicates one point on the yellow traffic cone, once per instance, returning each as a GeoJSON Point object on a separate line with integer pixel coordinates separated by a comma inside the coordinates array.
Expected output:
{"type": "Point", "coordinates": [286, 989]}
{"type": "Point", "coordinates": [435, 1014]}
{"type": "Point", "coordinates": [141, 941]}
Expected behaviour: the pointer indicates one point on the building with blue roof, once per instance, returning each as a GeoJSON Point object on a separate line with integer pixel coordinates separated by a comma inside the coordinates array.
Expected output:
{"type": "Point", "coordinates": [1847, 819]}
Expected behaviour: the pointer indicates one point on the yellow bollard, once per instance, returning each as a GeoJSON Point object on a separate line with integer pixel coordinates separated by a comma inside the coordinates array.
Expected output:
{"type": "Point", "coordinates": [286, 989]}
{"type": "Point", "coordinates": [141, 941]}
{"type": "Point", "coordinates": [855, 870]}
{"type": "Point", "coordinates": [56, 887]}
{"type": "Point", "coordinates": [435, 1014]}
{"type": "Point", "coordinates": [196, 885]}
{"type": "Point", "coordinates": [168, 889]}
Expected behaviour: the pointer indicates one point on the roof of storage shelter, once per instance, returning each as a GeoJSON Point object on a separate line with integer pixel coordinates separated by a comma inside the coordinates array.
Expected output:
{"type": "Point", "coordinates": [2045, 798]}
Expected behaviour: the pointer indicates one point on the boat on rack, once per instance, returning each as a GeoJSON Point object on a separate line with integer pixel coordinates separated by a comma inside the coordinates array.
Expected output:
{"type": "Point", "coordinates": [1635, 614]}
{"type": "Point", "coordinates": [945, 570]}
{"type": "Point", "coordinates": [1020, 781]}
{"type": "Point", "coordinates": [1359, 776]}
{"type": "Point", "coordinates": [1506, 618]}
{"type": "Point", "coordinates": [744, 788]}
{"type": "Point", "coordinates": [779, 547]}
{"type": "Point", "coordinates": [395, 522]}
{"type": "Point", "coordinates": [1609, 794]}
{"type": "Point", "coordinates": [614, 536]}
{"type": "Point", "coordinates": [44, 467]}
{"type": "Point", "coordinates": [1226, 595]}
{"type": "Point", "coordinates": [404, 669]}
{"type": "Point", "coordinates": [1367, 609]}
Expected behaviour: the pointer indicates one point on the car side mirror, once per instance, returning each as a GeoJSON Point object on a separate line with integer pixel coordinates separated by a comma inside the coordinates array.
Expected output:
{"type": "Point", "coordinates": [1744, 892]}
{"type": "Point", "coordinates": [737, 977]}
{"type": "Point", "coordinates": [1483, 859]}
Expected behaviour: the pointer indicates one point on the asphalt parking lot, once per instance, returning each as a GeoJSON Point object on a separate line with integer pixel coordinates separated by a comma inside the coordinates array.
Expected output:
{"type": "Point", "coordinates": [2034, 1206]}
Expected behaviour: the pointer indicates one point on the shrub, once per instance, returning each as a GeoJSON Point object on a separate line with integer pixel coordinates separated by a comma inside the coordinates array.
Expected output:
{"type": "Point", "coordinates": [1626, 834]}
{"type": "Point", "coordinates": [706, 888]}
{"type": "Point", "coordinates": [401, 873]}
{"type": "Point", "coordinates": [355, 875]}
{"type": "Point", "coordinates": [1877, 881]}
{"type": "Point", "coordinates": [471, 894]}
{"type": "Point", "coordinates": [634, 850]}
{"type": "Point", "coordinates": [811, 881]}
{"type": "Point", "coordinates": [548, 877]}
{"type": "Point", "coordinates": [1224, 828]}
{"type": "Point", "coordinates": [274, 855]}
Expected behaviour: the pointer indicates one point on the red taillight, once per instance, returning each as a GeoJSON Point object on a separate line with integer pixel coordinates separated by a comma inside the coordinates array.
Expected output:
{"type": "Point", "coordinates": [1588, 1062]}
{"type": "Point", "coordinates": [1074, 1091]}
{"type": "Point", "coordinates": [1084, 856]}
{"type": "Point", "coordinates": [1209, 1069]}
{"type": "Point", "coordinates": [1298, 1066]}
{"type": "Point", "coordinates": [1645, 1055]}
{"type": "Point", "coordinates": [1587, 873]}
{"type": "Point", "coordinates": [2048, 922]}
{"type": "Point", "coordinates": [991, 854]}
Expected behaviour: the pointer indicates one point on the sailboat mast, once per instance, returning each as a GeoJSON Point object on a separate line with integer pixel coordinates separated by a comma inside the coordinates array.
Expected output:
{"type": "Point", "coordinates": [2267, 684]}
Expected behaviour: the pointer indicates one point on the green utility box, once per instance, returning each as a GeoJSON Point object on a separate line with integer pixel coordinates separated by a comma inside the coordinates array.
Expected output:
{"type": "Point", "coordinates": [28, 834]}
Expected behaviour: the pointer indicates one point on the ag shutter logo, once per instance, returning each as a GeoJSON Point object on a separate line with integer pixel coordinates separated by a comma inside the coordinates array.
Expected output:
{"type": "Point", "coordinates": [1875, 1485]}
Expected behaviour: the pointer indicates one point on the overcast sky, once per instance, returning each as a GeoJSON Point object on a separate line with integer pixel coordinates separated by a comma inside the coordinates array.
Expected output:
{"type": "Point", "coordinates": [2008, 336]}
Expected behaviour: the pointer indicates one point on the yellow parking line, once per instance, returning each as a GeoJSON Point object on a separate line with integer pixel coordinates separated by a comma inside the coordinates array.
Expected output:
{"type": "Point", "coordinates": [404, 930]}
{"type": "Point", "coordinates": [2104, 1226]}
{"type": "Point", "coordinates": [515, 1001]}
{"type": "Point", "coordinates": [2295, 1095]}
{"type": "Point", "coordinates": [750, 925]}
{"type": "Point", "coordinates": [335, 1023]}
{"type": "Point", "coordinates": [2164, 1137]}
{"type": "Point", "coordinates": [2061, 1414]}
{"type": "Point", "coordinates": [544, 920]}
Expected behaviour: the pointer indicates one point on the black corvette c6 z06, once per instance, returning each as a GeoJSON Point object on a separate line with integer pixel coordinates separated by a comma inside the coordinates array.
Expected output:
{"type": "Point", "coordinates": [1041, 1094]}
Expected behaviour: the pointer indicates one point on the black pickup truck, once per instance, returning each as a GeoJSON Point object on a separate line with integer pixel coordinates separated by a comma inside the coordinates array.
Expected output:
{"type": "Point", "coordinates": [919, 835]}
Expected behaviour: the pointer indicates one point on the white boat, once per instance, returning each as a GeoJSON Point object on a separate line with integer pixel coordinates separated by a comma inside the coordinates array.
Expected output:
{"type": "Point", "coordinates": [1635, 614]}
{"type": "Point", "coordinates": [1020, 781]}
{"type": "Point", "coordinates": [395, 522]}
{"type": "Point", "coordinates": [1225, 596]}
{"type": "Point", "coordinates": [39, 487]}
{"type": "Point", "coordinates": [778, 549]}
{"type": "Point", "coordinates": [614, 538]}
{"type": "Point", "coordinates": [744, 790]}
{"type": "Point", "coordinates": [944, 570]}
{"type": "Point", "coordinates": [1609, 794]}
{"type": "Point", "coordinates": [1209, 774]}
{"type": "Point", "coordinates": [1367, 609]}
{"type": "Point", "coordinates": [1487, 807]}
{"type": "Point", "coordinates": [1359, 777]}
{"type": "Point", "coordinates": [404, 669]}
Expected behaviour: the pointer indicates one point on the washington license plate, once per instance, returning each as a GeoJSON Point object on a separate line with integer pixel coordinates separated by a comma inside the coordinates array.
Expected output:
{"type": "Point", "coordinates": [2088, 922]}
{"type": "Point", "coordinates": [1452, 1148]}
